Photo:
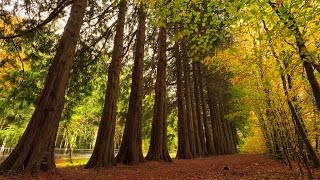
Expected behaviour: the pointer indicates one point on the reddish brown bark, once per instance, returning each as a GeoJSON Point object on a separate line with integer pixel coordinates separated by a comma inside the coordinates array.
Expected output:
{"type": "Point", "coordinates": [158, 142]}
{"type": "Point", "coordinates": [208, 131]}
{"type": "Point", "coordinates": [34, 150]}
{"type": "Point", "coordinates": [131, 146]}
{"type": "Point", "coordinates": [183, 142]}
{"type": "Point", "coordinates": [202, 149]}
{"type": "Point", "coordinates": [187, 94]}
{"type": "Point", "coordinates": [103, 153]}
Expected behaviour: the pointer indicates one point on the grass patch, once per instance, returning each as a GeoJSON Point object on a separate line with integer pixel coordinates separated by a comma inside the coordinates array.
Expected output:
{"type": "Point", "coordinates": [75, 162]}
{"type": "Point", "coordinates": [65, 162]}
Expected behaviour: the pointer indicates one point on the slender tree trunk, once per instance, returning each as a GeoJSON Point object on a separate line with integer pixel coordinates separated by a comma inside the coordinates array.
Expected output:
{"type": "Point", "coordinates": [34, 150]}
{"type": "Point", "coordinates": [183, 142]}
{"type": "Point", "coordinates": [158, 142]}
{"type": "Point", "coordinates": [131, 146]}
{"type": "Point", "coordinates": [187, 93]}
{"type": "Point", "coordinates": [300, 128]}
{"type": "Point", "coordinates": [103, 153]}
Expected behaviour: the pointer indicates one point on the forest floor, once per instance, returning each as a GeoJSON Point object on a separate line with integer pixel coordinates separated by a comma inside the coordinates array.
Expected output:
{"type": "Point", "coordinates": [238, 166]}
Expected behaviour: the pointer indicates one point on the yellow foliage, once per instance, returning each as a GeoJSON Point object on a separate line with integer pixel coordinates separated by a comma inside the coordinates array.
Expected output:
{"type": "Point", "coordinates": [11, 60]}
{"type": "Point", "coordinates": [255, 143]}
{"type": "Point", "coordinates": [8, 27]}
{"type": "Point", "coordinates": [183, 13]}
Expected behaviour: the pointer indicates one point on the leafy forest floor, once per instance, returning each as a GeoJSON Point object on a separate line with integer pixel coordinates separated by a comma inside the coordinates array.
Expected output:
{"type": "Point", "coordinates": [237, 166]}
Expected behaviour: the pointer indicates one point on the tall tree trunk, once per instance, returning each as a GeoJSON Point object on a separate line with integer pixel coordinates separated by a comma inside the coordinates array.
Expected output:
{"type": "Point", "coordinates": [131, 146]}
{"type": "Point", "coordinates": [204, 102]}
{"type": "Point", "coordinates": [103, 153]}
{"type": "Point", "coordinates": [187, 93]}
{"type": "Point", "coordinates": [195, 118]}
{"type": "Point", "coordinates": [35, 148]}
{"type": "Point", "coordinates": [201, 144]}
{"type": "Point", "coordinates": [183, 142]}
{"type": "Point", "coordinates": [158, 142]}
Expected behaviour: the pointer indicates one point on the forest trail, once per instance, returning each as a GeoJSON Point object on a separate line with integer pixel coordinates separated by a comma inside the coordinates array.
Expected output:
{"type": "Point", "coordinates": [238, 166]}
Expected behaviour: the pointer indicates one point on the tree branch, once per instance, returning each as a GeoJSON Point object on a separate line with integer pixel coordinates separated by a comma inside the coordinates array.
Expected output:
{"type": "Point", "coordinates": [51, 17]}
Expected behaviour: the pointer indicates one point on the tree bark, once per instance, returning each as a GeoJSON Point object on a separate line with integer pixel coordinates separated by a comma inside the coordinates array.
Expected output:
{"type": "Point", "coordinates": [34, 151]}
{"type": "Point", "coordinates": [131, 146]}
{"type": "Point", "coordinates": [199, 111]}
{"type": "Point", "coordinates": [183, 142]}
{"type": "Point", "coordinates": [103, 153]}
{"type": "Point", "coordinates": [209, 132]}
{"type": "Point", "coordinates": [158, 142]}
{"type": "Point", "coordinates": [188, 96]}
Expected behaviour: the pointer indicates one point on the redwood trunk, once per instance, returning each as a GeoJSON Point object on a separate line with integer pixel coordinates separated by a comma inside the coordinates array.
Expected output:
{"type": "Point", "coordinates": [158, 142]}
{"type": "Point", "coordinates": [187, 94]}
{"type": "Point", "coordinates": [195, 118]}
{"type": "Point", "coordinates": [208, 132]}
{"type": "Point", "coordinates": [103, 153]}
{"type": "Point", "coordinates": [183, 142]}
{"type": "Point", "coordinates": [199, 123]}
{"type": "Point", "coordinates": [34, 150]}
{"type": "Point", "coordinates": [131, 146]}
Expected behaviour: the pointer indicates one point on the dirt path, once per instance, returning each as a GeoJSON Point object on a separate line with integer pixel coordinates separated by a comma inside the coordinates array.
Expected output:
{"type": "Point", "coordinates": [219, 167]}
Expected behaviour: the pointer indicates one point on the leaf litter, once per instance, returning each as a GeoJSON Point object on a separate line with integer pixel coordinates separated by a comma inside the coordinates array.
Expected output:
{"type": "Point", "coordinates": [233, 167]}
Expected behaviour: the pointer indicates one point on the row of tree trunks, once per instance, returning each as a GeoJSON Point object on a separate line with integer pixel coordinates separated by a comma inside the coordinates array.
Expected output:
{"type": "Point", "coordinates": [103, 153]}
{"type": "Point", "coordinates": [188, 96]}
{"type": "Point", "coordinates": [198, 105]}
{"type": "Point", "coordinates": [209, 138]}
{"type": "Point", "coordinates": [35, 149]}
{"type": "Point", "coordinates": [224, 138]}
